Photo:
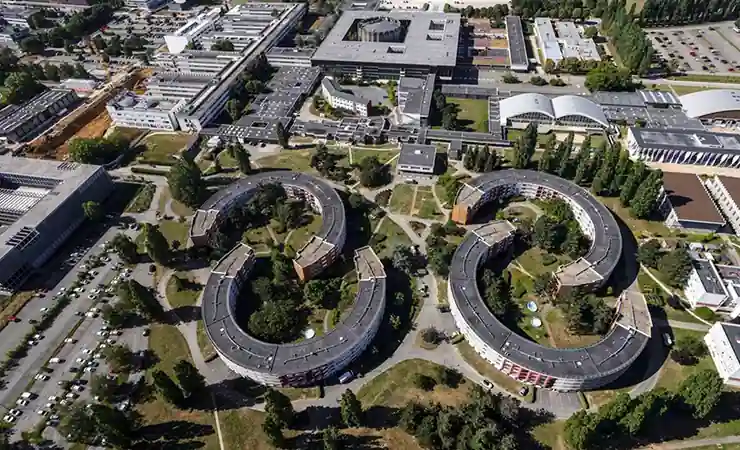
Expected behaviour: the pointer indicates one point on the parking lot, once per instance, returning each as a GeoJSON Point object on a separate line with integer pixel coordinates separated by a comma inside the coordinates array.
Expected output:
{"type": "Point", "coordinates": [699, 49]}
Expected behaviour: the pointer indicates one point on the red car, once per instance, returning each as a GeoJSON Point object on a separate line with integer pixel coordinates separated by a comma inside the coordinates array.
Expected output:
{"type": "Point", "coordinates": [13, 319]}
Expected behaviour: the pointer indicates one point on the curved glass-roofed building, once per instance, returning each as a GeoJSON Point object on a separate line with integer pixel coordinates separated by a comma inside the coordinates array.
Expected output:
{"type": "Point", "coordinates": [720, 105]}
{"type": "Point", "coordinates": [569, 112]}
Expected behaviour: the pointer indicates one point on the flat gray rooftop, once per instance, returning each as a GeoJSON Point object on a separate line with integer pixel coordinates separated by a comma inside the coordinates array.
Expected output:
{"type": "Point", "coordinates": [38, 188]}
{"type": "Point", "coordinates": [517, 47]}
{"type": "Point", "coordinates": [423, 45]}
{"type": "Point", "coordinates": [14, 116]}
{"type": "Point", "coordinates": [417, 155]}
{"type": "Point", "coordinates": [687, 140]}
{"type": "Point", "coordinates": [282, 360]}
{"type": "Point", "coordinates": [711, 282]}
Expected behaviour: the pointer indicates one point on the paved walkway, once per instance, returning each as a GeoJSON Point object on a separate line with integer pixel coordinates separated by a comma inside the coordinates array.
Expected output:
{"type": "Point", "coordinates": [677, 445]}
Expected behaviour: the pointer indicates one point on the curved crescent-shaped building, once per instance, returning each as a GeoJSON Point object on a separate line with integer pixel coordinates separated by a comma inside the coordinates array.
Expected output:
{"type": "Point", "coordinates": [319, 252]}
{"type": "Point", "coordinates": [564, 111]}
{"type": "Point", "coordinates": [526, 361]}
{"type": "Point", "coordinates": [302, 363]}
{"type": "Point", "coordinates": [311, 360]}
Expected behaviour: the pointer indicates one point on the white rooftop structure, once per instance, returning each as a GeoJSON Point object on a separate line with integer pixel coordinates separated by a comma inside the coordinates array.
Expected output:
{"type": "Point", "coordinates": [194, 28]}
{"type": "Point", "coordinates": [556, 108]}
{"type": "Point", "coordinates": [712, 102]}
{"type": "Point", "coordinates": [563, 39]}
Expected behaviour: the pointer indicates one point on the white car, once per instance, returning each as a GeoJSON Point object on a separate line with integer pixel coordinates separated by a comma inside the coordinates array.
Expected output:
{"type": "Point", "coordinates": [38, 337]}
{"type": "Point", "coordinates": [21, 402]}
{"type": "Point", "coordinates": [70, 341]}
{"type": "Point", "coordinates": [86, 351]}
{"type": "Point", "coordinates": [71, 395]}
{"type": "Point", "coordinates": [8, 418]}
{"type": "Point", "coordinates": [41, 377]}
{"type": "Point", "coordinates": [89, 369]}
{"type": "Point", "coordinates": [42, 412]}
{"type": "Point", "coordinates": [49, 405]}
{"type": "Point", "coordinates": [53, 398]}
{"type": "Point", "coordinates": [92, 296]}
{"type": "Point", "coordinates": [78, 388]}
{"type": "Point", "coordinates": [79, 289]}
{"type": "Point", "coordinates": [110, 341]}
{"type": "Point", "coordinates": [80, 360]}
{"type": "Point", "coordinates": [15, 412]}
{"type": "Point", "coordinates": [43, 310]}
{"type": "Point", "coordinates": [32, 342]}
{"type": "Point", "coordinates": [65, 402]}
{"type": "Point", "coordinates": [98, 355]}
{"type": "Point", "coordinates": [91, 314]}
{"type": "Point", "coordinates": [95, 291]}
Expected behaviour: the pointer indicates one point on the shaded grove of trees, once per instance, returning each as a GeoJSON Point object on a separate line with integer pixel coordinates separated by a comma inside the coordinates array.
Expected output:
{"type": "Point", "coordinates": [585, 313]}
{"type": "Point", "coordinates": [573, 9]}
{"type": "Point", "coordinates": [674, 265]}
{"type": "Point", "coordinates": [654, 416]}
{"type": "Point", "coordinates": [482, 159]}
{"type": "Point", "coordinates": [439, 250]}
{"type": "Point", "coordinates": [635, 51]}
{"type": "Point", "coordinates": [186, 182]}
{"type": "Point", "coordinates": [486, 421]}
{"type": "Point", "coordinates": [557, 231]}
{"type": "Point", "coordinates": [679, 12]}
{"type": "Point", "coordinates": [96, 150]}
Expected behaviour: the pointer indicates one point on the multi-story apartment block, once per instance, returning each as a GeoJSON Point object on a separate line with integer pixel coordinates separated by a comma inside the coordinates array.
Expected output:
{"type": "Point", "coordinates": [339, 99]}
{"type": "Point", "coordinates": [726, 194]}
{"type": "Point", "coordinates": [686, 204]}
{"type": "Point", "coordinates": [723, 342]}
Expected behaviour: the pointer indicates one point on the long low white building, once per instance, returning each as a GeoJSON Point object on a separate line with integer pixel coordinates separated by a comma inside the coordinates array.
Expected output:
{"type": "Point", "coordinates": [723, 342]}
{"type": "Point", "coordinates": [684, 146]}
{"type": "Point", "coordinates": [339, 99]}
{"type": "Point", "coordinates": [566, 112]}
{"type": "Point", "coordinates": [141, 111]}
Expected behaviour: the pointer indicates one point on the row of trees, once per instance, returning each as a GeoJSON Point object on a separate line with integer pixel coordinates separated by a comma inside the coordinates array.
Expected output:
{"type": "Point", "coordinates": [444, 113]}
{"type": "Point", "coordinates": [439, 249]}
{"type": "Point", "coordinates": [97, 150]}
{"type": "Point", "coordinates": [482, 160]}
{"type": "Point", "coordinates": [557, 231]}
{"type": "Point", "coordinates": [185, 387]}
{"type": "Point", "coordinates": [251, 82]}
{"type": "Point", "coordinates": [635, 50]}
{"type": "Point", "coordinates": [571, 9]}
{"type": "Point", "coordinates": [680, 12]}
{"type": "Point", "coordinates": [625, 421]}
{"type": "Point", "coordinates": [186, 183]}
{"type": "Point", "coordinates": [79, 24]}
{"type": "Point", "coordinates": [674, 265]}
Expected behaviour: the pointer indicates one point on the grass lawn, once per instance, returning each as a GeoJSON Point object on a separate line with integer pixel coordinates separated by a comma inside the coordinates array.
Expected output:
{"type": "Point", "coordinates": [531, 261]}
{"type": "Point", "coordinates": [174, 230]}
{"type": "Point", "coordinates": [550, 435]}
{"type": "Point", "coordinates": [298, 160]}
{"type": "Point", "coordinates": [162, 148]}
{"type": "Point", "coordinates": [425, 206]}
{"type": "Point", "coordinates": [639, 227]}
{"type": "Point", "coordinates": [672, 373]}
{"type": "Point", "coordinates": [226, 160]}
{"type": "Point", "coordinates": [390, 236]}
{"type": "Point", "coordinates": [402, 199]}
{"type": "Point", "coordinates": [297, 238]}
{"type": "Point", "coordinates": [709, 78]}
{"type": "Point", "coordinates": [648, 286]}
{"type": "Point", "coordinates": [383, 155]}
{"type": "Point", "coordinates": [484, 368]}
{"type": "Point", "coordinates": [206, 348]}
{"type": "Point", "coordinates": [187, 296]}
{"type": "Point", "coordinates": [170, 347]}
{"type": "Point", "coordinates": [560, 336]}
{"type": "Point", "coordinates": [441, 290]}
{"type": "Point", "coordinates": [177, 207]}
{"type": "Point", "coordinates": [242, 428]}
{"type": "Point", "coordinates": [472, 113]}
{"type": "Point", "coordinates": [395, 387]}
{"type": "Point", "coordinates": [258, 238]}
{"type": "Point", "coordinates": [143, 199]}
{"type": "Point", "coordinates": [129, 134]}
{"type": "Point", "coordinates": [539, 335]}
{"type": "Point", "coordinates": [681, 90]}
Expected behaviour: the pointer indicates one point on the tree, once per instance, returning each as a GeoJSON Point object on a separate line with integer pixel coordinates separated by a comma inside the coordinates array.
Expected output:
{"type": "Point", "coordinates": [676, 267]}
{"type": "Point", "coordinates": [279, 408]}
{"type": "Point", "coordinates": [403, 259]}
{"type": "Point", "coordinates": [77, 425]}
{"type": "Point", "coordinates": [424, 382]}
{"type": "Point", "coordinates": [273, 430]}
{"type": "Point", "coordinates": [222, 45]}
{"type": "Point", "coordinates": [234, 109]}
{"type": "Point", "coordinates": [274, 322]}
{"type": "Point", "coordinates": [632, 183]}
{"type": "Point", "coordinates": [351, 409]}
{"type": "Point", "coordinates": [645, 201]}
{"type": "Point", "coordinates": [116, 316]}
{"type": "Point", "coordinates": [51, 72]}
{"type": "Point", "coordinates": [537, 81]}
{"type": "Point", "coordinates": [104, 387]}
{"type": "Point", "coordinates": [331, 438]}
{"type": "Point", "coordinates": [92, 211]}
{"type": "Point", "coordinates": [120, 358]}
{"type": "Point", "coordinates": [168, 389]}
{"type": "Point", "coordinates": [156, 244]}
{"type": "Point", "coordinates": [316, 291]}
{"type": "Point", "coordinates": [242, 159]}
{"type": "Point", "coordinates": [549, 66]}
{"type": "Point", "coordinates": [32, 45]}
{"type": "Point", "coordinates": [590, 32]}
{"type": "Point", "coordinates": [525, 147]}
{"type": "Point", "coordinates": [191, 381]}
{"type": "Point", "coordinates": [373, 173]}
{"type": "Point", "coordinates": [430, 335]}
{"type": "Point", "coordinates": [125, 248]}
{"type": "Point", "coordinates": [133, 293]}
{"type": "Point", "coordinates": [20, 87]}
{"type": "Point", "coordinates": [701, 391]}
{"type": "Point", "coordinates": [186, 183]}
{"type": "Point", "coordinates": [650, 253]}
{"type": "Point", "coordinates": [608, 77]}
{"type": "Point", "coordinates": [95, 150]}
{"type": "Point", "coordinates": [545, 285]}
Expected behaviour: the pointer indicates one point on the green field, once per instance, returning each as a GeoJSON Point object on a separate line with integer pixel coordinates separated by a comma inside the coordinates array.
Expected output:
{"type": "Point", "coordinates": [402, 199]}
{"type": "Point", "coordinates": [297, 238]}
{"type": "Point", "coordinates": [389, 237]}
{"type": "Point", "coordinates": [709, 78]}
{"type": "Point", "coordinates": [472, 113]}
{"type": "Point", "coordinates": [425, 206]}
{"type": "Point", "coordinates": [162, 148]}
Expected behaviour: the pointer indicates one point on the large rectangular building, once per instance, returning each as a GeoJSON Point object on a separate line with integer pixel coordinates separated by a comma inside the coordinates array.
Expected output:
{"type": "Point", "coordinates": [19, 123]}
{"type": "Point", "coordinates": [143, 111]}
{"type": "Point", "coordinates": [684, 146]}
{"type": "Point", "coordinates": [562, 39]}
{"type": "Point", "coordinates": [723, 342]}
{"type": "Point", "coordinates": [686, 203]}
{"type": "Point", "coordinates": [390, 44]}
{"type": "Point", "coordinates": [40, 207]}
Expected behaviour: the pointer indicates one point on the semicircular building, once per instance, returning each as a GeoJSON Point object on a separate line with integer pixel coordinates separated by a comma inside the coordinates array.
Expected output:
{"type": "Point", "coordinates": [311, 360]}
{"type": "Point", "coordinates": [520, 358]}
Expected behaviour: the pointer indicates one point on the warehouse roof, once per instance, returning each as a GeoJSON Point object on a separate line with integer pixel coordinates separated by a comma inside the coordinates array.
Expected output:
{"type": "Point", "coordinates": [732, 185]}
{"type": "Point", "coordinates": [417, 155]}
{"type": "Point", "coordinates": [713, 101]}
{"type": "Point", "coordinates": [233, 343]}
{"type": "Point", "coordinates": [555, 108]}
{"type": "Point", "coordinates": [14, 116]}
{"type": "Point", "coordinates": [686, 140]}
{"type": "Point", "coordinates": [689, 198]}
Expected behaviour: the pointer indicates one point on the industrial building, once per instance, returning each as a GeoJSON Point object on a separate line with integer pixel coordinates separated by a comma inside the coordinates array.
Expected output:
{"type": "Point", "coordinates": [145, 111]}
{"type": "Point", "coordinates": [321, 250]}
{"type": "Point", "coordinates": [40, 207]}
{"type": "Point", "coordinates": [304, 363]}
{"type": "Point", "coordinates": [561, 39]}
{"type": "Point", "coordinates": [19, 123]}
{"type": "Point", "coordinates": [684, 146]}
{"type": "Point", "coordinates": [596, 222]}
{"type": "Point", "coordinates": [518, 59]}
{"type": "Point", "coordinates": [290, 56]}
{"type": "Point", "coordinates": [723, 343]}
{"type": "Point", "coordinates": [713, 106]}
{"type": "Point", "coordinates": [566, 112]}
{"type": "Point", "coordinates": [391, 44]}
{"type": "Point", "coordinates": [417, 159]}
{"type": "Point", "coordinates": [339, 99]}
{"type": "Point", "coordinates": [572, 369]}
{"type": "Point", "coordinates": [726, 193]}
{"type": "Point", "coordinates": [194, 61]}
{"type": "Point", "coordinates": [686, 204]}
{"type": "Point", "coordinates": [414, 97]}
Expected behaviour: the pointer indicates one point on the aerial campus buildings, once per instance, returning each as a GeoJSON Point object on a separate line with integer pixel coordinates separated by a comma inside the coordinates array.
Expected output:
{"type": "Point", "coordinates": [19, 123]}
{"type": "Point", "coordinates": [563, 39]}
{"type": "Point", "coordinates": [40, 207]}
{"type": "Point", "coordinates": [311, 360]}
{"type": "Point", "coordinates": [723, 342]}
{"type": "Point", "coordinates": [524, 360]}
{"type": "Point", "coordinates": [205, 80]}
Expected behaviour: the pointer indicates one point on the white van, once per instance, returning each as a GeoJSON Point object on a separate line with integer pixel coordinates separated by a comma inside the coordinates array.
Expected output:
{"type": "Point", "coordinates": [26, 395]}
{"type": "Point", "coordinates": [55, 360]}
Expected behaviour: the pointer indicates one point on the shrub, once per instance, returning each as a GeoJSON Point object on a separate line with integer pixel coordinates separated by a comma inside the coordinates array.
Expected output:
{"type": "Point", "coordinates": [424, 382]}
{"type": "Point", "coordinates": [705, 313]}
{"type": "Point", "coordinates": [430, 335]}
{"type": "Point", "coordinates": [548, 259]}
{"type": "Point", "coordinates": [383, 197]}
{"type": "Point", "coordinates": [450, 377]}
